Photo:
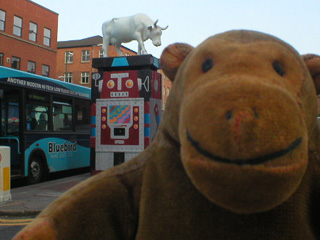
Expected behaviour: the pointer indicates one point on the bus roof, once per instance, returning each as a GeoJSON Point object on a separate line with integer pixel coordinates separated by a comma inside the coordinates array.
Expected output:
{"type": "Point", "coordinates": [13, 77]}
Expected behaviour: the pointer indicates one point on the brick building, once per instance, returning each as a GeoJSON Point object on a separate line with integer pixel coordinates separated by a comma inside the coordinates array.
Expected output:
{"type": "Point", "coordinates": [28, 37]}
{"type": "Point", "coordinates": [79, 53]}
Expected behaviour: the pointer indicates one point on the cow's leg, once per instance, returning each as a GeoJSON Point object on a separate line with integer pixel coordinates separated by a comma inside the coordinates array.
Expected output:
{"type": "Point", "coordinates": [141, 48]}
{"type": "Point", "coordinates": [106, 43]}
{"type": "Point", "coordinates": [117, 47]}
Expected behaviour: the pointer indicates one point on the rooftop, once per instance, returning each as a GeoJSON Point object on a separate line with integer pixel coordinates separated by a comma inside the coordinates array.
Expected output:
{"type": "Point", "coordinates": [90, 41]}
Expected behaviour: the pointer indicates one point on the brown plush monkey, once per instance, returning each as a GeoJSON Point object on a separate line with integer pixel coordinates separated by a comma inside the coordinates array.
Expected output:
{"type": "Point", "coordinates": [236, 155]}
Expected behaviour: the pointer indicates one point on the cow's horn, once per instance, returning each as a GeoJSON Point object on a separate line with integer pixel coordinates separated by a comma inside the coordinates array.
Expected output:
{"type": "Point", "coordinates": [164, 28]}
{"type": "Point", "coordinates": [155, 23]}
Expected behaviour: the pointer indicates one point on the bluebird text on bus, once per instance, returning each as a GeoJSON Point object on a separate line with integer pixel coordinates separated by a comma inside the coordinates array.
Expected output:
{"type": "Point", "coordinates": [63, 147]}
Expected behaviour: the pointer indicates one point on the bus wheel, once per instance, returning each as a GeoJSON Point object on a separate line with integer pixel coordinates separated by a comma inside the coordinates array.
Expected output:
{"type": "Point", "coordinates": [36, 170]}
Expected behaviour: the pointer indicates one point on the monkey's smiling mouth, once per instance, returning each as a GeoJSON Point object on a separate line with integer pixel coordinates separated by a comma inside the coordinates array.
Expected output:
{"type": "Point", "coordinates": [250, 161]}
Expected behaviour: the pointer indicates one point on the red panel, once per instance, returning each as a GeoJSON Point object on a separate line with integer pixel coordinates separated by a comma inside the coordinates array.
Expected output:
{"type": "Point", "coordinates": [120, 84]}
{"type": "Point", "coordinates": [92, 142]}
{"type": "Point", "coordinates": [146, 107]}
{"type": "Point", "coordinates": [93, 109]}
{"type": "Point", "coordinates": [146, 142]}
{"type": "Point", "coordinates": [132, 128]}
{"type": "Point", "coordinates": [93, 126]}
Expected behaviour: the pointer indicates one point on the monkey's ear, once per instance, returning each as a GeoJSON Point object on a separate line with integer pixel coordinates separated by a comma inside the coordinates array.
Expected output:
{"type": "Point", "coordinates": [172, 57]}
{"type": "Point", "coordinates": [313, 64]}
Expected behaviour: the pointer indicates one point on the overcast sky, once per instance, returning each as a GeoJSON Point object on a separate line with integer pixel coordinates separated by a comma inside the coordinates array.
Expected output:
{"type": "Point", "coordinates": [294, 21]}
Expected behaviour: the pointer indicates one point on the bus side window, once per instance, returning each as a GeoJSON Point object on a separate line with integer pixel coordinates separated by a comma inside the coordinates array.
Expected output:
{"type": "Point", "coordinates": [37, 117]}
{"type": "Point", "coordinates": [31, 124]}
{"type": "Point", "coordinates": [62, 115]}
{"type": "Point", "coordinates": [42, 123]}
{"type": "Point", "coordinates": [82, 117]}
{"type": "Point", "coordinates": [13, 117]}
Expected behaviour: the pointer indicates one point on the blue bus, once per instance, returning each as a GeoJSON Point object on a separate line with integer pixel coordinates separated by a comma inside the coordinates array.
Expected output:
{"type": "Point", "coordinates": [46, 123]}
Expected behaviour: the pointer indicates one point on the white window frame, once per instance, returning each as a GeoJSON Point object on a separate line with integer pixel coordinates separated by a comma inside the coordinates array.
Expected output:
{"type": "Point", "coordinates": [1, 59]}
{"type": "Point", "coordinates": [33, 31]}
{"type": "Point", "coordinates": [68, 77]}
{"type": "Point", "coordinates": [31, 67]}
{"type": "Point", "coordinates": [101, 52]}
{"type": "Point", "coordinates": [68, 57]}
{"type": "Point", "coordinates": [85, 77]}
{"type": "Point", "coordinates": [18, 60]}
{"type": "Point", "coordinates": [2, 20]}
{"type": "Point", "coordinates": [17, 26]}
{"type": "Point", "coordinates": [45, 70]}
{"type": "Point", "coordinates": [47, 37]}
{"type": "Point", "coordinates": [85, 56]}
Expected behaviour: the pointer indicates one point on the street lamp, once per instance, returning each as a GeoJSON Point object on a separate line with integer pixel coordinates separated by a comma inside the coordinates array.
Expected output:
{"type": "Point", "coordinates": [68, 55]}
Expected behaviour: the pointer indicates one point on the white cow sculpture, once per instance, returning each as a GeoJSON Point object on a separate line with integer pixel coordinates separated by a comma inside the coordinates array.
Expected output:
{"type": "Point", "coordinates": [137, 27]}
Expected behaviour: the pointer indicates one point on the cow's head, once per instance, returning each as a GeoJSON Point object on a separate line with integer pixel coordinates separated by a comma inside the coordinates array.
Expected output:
{"type": "Point", "coordinates": [155, 33]}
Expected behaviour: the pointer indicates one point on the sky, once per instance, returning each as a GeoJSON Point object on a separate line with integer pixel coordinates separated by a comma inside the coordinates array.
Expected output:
{"type": "Point", "coordinates": [296, 22]}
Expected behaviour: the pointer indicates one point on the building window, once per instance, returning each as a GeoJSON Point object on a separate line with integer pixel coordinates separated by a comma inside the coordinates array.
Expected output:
{"type": "Point", "coordinates": [45, 70]}
{"type": "Point", "coordinates": [85, 57]}
{"type": "Point", "coordinates": [101, 53]}
{"type": "Point", "coordinates": [68, 57]}
{"type": "Point", "coordinates": [85, 78]}
{"type": "Point", "coordinates": [1, 59]}
{"type": "Point", "coordinates": [33, 30]}
{"type": "Point", "coordinates": [68, 77]}
{"type": "Point", "coordinates": [15, 63]}
{"type": "Point", "coordinates": [2, 20]}
{"type": "Point", "coordinates": [17, 26]}
{"type": "Point", "coordinates": [47, 37]}
{"type": "Point", "coordinates": [31, 67]}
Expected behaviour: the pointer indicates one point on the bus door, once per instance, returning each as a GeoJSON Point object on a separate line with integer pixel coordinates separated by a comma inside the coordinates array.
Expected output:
{"type": "Point", "coordinates": [10, 126]}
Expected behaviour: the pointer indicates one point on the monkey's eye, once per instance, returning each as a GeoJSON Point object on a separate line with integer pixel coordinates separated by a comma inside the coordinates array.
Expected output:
{"type": "Point", "coordinates": [278, 68]}
{"type": "Point", "coordinates": [207, 65]}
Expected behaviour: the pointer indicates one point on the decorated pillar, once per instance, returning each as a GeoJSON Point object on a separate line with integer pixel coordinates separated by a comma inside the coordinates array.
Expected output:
{"type": "Point", "coordinates": [125, 110]}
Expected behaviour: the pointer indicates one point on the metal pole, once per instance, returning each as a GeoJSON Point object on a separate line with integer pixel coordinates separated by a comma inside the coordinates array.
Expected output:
{"type": "Point", "coordinates": [66, 74]}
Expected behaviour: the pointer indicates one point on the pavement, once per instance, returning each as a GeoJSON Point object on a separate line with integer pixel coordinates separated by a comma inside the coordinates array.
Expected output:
{"type": "Point", "coordinates": [32, 199]}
